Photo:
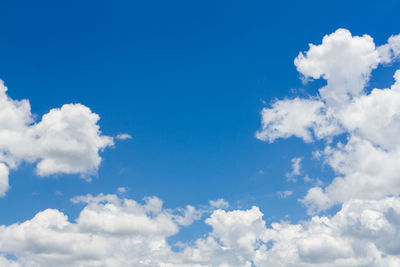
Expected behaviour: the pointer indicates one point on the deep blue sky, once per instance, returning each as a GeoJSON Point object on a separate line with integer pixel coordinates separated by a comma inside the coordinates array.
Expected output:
{"type": "Point", "coordinates": [186, 79]}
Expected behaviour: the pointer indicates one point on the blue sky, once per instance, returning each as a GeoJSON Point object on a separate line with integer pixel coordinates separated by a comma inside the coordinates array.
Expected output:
{"type": "Point", "coordinates": [188, 81]}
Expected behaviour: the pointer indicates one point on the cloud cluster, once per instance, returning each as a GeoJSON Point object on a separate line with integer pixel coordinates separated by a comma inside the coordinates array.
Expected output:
{"type": "Point", "coordinates": [367, 162]}
{"type": "Point", "coordinates": [111, 231]}
{"type": "Point", "coordinates": [65, 140]}
{"type": "Point", "coordinates": [115, 231]}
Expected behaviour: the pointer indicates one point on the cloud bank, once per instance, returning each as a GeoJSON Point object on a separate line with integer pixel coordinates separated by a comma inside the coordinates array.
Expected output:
{"type": "Point", "coordinates": [113, 231]}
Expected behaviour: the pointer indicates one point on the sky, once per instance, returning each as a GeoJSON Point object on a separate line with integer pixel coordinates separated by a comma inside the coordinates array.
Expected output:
{"type": "Point", "coordinates": [199, 133]}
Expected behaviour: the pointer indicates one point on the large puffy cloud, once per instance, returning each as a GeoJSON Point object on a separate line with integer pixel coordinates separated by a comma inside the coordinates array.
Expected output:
{"type": "Point", "coordinates": [111, 231]}
{"type": "Point", "coordinates": [344, 61]}
{"type": "Point", "coordinates": [108, 232]}
{"type": "Point", "coordinates": [362, 233]}
{"type": "Point", "coordinates": [66, 140]}
{"type": "Point", "coordinates": [291, 117]}
{"type": "Point", "coordinates": [391, 50]}
{"type": "Point", "coordinates": [366, 172]}
{"type": "Point", "coordinates": [69, 141]}
{"type": "Point", "coordinates": [375, 117]}
{"type": "Point", "coordinates": [366, 165]}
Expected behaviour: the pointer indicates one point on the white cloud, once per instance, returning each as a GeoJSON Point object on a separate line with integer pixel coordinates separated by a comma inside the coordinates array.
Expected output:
{"type": "Point", "coordinates": [366, 172]}
{"type": "Point", "coordinates": [344, 61]}
{"type": "Point", "coordinates": [124, 136]}
{"type": "Point", "coordinates": [375, 117]}
{"type": "Point", "coordinates": [117, 216]}
{"type": "Point", "coordinates": [219, 204]}
{"type": "Point", "coordinates": [69, 140]}
{"type": "Point", "coordinates": [111, 231]}
{"type": "Point", "coordinates": [4, 262]}
{"type": "Point", "coordinates": [290, 117]}
{"type": "Point", "coordinates": [190, 214]}
{"type": "Point", "coordinates": [285, 193]}
{"type": "Point", "coordinates": [366, 165]}
{"type": "Point", "coordinates": [66, 140]}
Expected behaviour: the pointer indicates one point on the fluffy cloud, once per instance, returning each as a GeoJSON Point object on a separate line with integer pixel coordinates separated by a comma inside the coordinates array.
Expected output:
{"type": "Point", "coordinates": [362, 233]}
{"type": "Point", "coordinates": [366, 172]}
{"type": "Point", "coordinates": [111, 231]}
{"type": "Point", "coordinates": [66, 140]}
{"type": "Point", "coordinates": [291, 117]}
{"type": "Point", "coordinates": [344, 61]}
{"type": "Point", "coordinates": [366, 164]}
{"type": "Point", "coordinates": [391, 50]}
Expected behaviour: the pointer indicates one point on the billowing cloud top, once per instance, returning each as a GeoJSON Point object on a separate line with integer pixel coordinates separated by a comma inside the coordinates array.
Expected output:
{"type": "Point", "coordinates": [368, 163]}
{"type": "Point", "coordinates": [66, 140]}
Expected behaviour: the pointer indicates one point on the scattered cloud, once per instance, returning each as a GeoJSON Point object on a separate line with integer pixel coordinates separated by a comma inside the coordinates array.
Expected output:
{"type": "Point", "coordinates": [367, 163]}
{"type": "Point", "coordinates": [124, 136]}
{"type": "Point", "coordinates": [66, 140]}
{"type": "Point", "coordinates": [296, 169]}
{"type": "Point", "coordinates": [219, 204]}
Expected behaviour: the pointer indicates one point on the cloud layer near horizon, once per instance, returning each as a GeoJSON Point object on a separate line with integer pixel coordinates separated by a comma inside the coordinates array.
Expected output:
{"type": "Point", "coordinates": [111, 231]}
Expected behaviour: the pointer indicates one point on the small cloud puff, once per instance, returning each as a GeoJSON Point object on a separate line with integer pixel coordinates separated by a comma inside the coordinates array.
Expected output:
{"type": "Point", "coordinates": [67, 140]}
{"type": "Point", "coordinates": [284, 194]}
{"type": "Point", "coordinates": [123, 136]}
{"type": "Point", "coordinates": [219, 204]}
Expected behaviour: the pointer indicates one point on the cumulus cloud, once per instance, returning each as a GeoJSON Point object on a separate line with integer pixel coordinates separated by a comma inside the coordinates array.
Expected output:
{"type": "Point", "coordinates": [291, 117]}
{"type": "Point", "coordinates": [111, 231]}
{"type": "Point", "coordinates": [66, 140]}
{"type": "Point", "coordinates": [366, 164]}
{"type": "Point", "coordinates": [344, 61]}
